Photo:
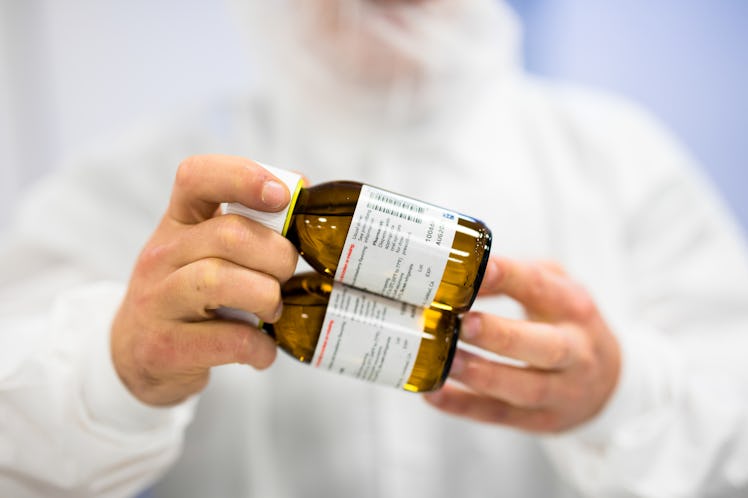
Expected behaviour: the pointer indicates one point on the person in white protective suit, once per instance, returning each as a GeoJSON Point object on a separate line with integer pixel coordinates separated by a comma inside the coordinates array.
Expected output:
{"type": "Point", "coordinates": [616, 276]}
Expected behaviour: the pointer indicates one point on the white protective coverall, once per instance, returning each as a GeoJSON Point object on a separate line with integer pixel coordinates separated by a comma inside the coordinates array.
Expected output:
{"type": "Point", "coordinates": [557, 173]}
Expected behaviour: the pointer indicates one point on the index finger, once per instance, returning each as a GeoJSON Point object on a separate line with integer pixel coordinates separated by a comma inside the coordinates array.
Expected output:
{"type": "Point", "coordinates": [203, 182]}
{"type": "Point", "coordinates": [541, 290]}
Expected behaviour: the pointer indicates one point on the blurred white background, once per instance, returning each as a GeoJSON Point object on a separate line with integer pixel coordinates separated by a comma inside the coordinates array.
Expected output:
{"type": "Point", "coordinates": [75, 72]}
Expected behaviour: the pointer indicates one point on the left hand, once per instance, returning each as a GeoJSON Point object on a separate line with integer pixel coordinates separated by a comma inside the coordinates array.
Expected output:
{"type": "Point", "coordinates": [573, 359]}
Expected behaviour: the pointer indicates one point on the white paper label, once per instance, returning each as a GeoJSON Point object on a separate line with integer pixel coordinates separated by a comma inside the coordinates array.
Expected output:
{"type": "Point", "coordinates": [369, 337]}
{"type": "Point", "coordinates": [396, 247]}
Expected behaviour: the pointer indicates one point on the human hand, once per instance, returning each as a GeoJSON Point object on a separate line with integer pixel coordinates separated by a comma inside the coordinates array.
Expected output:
{"type": "Point", "coordinates": [166, 335]}
{"type": "Point", "coordinates": [573, 359]}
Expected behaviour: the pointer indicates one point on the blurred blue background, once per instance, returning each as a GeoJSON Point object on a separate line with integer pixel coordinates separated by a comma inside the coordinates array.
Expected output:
{"type": "Point", "coordinates": [685, 60]}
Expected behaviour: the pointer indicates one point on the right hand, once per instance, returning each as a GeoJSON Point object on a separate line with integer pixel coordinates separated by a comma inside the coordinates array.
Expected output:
{"type": "Point", "coordinates": [166, 336]}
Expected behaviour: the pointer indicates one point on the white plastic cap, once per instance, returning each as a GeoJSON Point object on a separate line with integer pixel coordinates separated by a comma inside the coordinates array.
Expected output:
{"type": "Point", "coordinates": [274, 221]}
{"type": "Point", "coordinates": [238, 315]}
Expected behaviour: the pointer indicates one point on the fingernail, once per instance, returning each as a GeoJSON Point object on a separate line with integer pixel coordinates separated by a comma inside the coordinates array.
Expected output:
{"type": "Point", "coordinates": [278, 312]}
{"type": "Point", "coordinates": [471, 325]}
{"type": "Point", "coordinates": [434, 396]}
{"type": "Point", "coordinates": [458, 365]}
{"type": "Point", "coordinates": [274, 194]}
{"type": "Point", "coordinates": [493, 271]}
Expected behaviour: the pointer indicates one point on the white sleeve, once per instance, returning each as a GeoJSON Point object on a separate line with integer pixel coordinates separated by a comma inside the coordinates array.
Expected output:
{"type": "Point", "coordinates": [677, 424]}
{"type": "Point", "coordinates": [68, 426]}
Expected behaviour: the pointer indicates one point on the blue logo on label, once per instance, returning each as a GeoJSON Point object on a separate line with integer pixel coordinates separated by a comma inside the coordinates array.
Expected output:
{"type": "Point", "coordinates": [449, 216]}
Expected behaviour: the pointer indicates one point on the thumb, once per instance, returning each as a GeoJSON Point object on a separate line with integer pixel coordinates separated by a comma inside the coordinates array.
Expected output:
{"type": "Point", "coordinates": [203, 182]}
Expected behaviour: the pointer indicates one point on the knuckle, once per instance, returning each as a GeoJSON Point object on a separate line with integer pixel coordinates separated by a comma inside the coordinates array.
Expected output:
{"type": "Point", "coordinates": [274, 289]}
{"type": "Point", "coordinates": [152, 257]}
{"type": "Point", "coordinates": [208, 277]}
{"type": "Point", "coordinates": [264, 297]}
{"type": "Point", "coordinates": [561, 353]}
{"type": "Point", "coordinates": [499, 412]}
{"type": "Point", "coordinates": [154, 353]}
{"type": "Point", "coordinates": [232, 233]}
{"type": "Point", "coordinates": [186, 171]}
{"type": "Point", "coordinates": [549, 421]}
{"type": "Point", "coordinates": [576, 394]}
{"type": "Point", "coordinates": [272, 292]}
{"type": "Point", "coordinates": [142, 300]}
{"type": "Point", "coordinates": [243, 348]}
{"type": "Point", "coordinates": [459, 405]}
{"type": "Point", "coordinates": [582, 306]}
{"type": "Point", "coordinates": [481, 382]}
{"type": "Point", "coordinates": [536, 284]}
{"type": "Point", "coordinates": [289, 259]}
{"type": "Point", "coordinates": [256, 350]}
{"type": "Point", "coordinates": [586, 363]}
{"type": "Point", "coordinates": [266, 359]}
{"type": "Point", "coordinates": [200, 381]}
{"type": "Point", "coordinates": [491, 380]}
{"type": "Point", "coordinates": [553, 266]}
{"type": "Point", "coordinates": [506, 339]}
{"type": "Point", "coordinates": [538, 392]}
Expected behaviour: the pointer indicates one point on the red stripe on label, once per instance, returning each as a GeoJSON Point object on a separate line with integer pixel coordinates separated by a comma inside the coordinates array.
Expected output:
{"type": "Point", "coordinates": [347, 260]}
{"type": "Point", "coordinates": [324, 343]}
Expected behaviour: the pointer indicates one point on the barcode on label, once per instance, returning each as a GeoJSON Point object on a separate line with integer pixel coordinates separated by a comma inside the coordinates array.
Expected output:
{"type": "Point", "coordinates": [392, 212]}
{"type": "Point", "coordinates": [395, 207]}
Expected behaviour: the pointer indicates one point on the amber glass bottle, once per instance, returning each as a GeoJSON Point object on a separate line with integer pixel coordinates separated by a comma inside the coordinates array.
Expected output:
{"type": "Point", "coordinates": [351, 332]}
{"type": "Point", "coordinates": [383, 242]}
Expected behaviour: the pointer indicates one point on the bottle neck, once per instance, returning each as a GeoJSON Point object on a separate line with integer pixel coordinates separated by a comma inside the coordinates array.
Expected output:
{"type": "Point", "coordinates": [452, 351]}
{"type": "Point", "coordinates": [296, 195]}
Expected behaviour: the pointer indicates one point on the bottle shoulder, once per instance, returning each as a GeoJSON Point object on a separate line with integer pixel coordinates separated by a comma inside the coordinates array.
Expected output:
{"type": "Point", "coordinates": [336, 186]}
{"type": "Point", "coordinates": [329, 198]}
{"type": "Point", "coordinates": [309, 289]}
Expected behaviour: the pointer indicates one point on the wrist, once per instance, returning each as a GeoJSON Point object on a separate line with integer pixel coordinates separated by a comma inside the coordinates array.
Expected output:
{"type": "Point", "coordinates": [647, 382]}
{"type": "Point", "coordinates": [105, 399]}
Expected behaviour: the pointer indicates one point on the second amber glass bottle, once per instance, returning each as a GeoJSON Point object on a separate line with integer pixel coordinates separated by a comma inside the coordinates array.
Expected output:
{"type": "Point", "coordinates": [351, 332]}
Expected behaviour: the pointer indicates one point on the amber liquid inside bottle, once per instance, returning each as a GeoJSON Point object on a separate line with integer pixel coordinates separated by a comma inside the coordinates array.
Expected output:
{"type": "Point", "coordinates": [321, 220]}
{"type": "Point", "coordinates": [305, 300]}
